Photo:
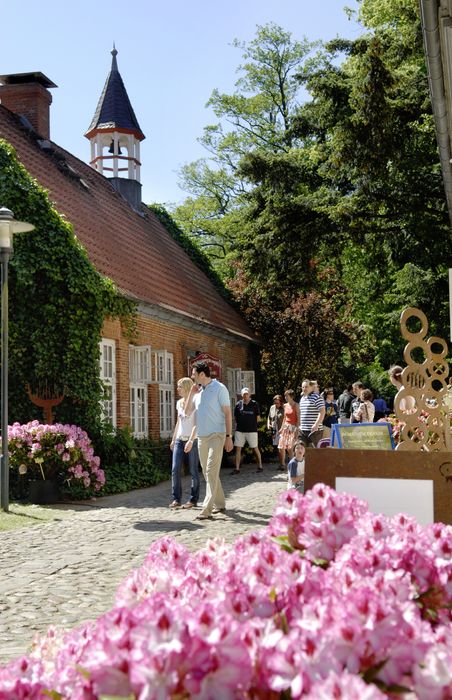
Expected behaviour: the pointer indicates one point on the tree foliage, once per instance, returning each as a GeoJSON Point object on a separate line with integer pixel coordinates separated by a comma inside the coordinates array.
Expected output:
{"type": "Point", "coordinates": [337, 219]}
{"type": "Point", "coordinates": [257, 116]}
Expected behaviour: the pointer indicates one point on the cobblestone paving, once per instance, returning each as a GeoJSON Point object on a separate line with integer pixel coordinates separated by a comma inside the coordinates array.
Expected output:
{"type": "Point", "coordinates": [67, 571]}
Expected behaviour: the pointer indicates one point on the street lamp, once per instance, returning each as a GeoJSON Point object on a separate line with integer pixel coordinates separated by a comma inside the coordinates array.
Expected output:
{"type": "Point", "coordinates": [8, 227]}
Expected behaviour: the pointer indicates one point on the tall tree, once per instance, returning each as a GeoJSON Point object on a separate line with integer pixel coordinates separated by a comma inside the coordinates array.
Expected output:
{"type": "Point", "coordinates": [257, 116]}
{"type": "Point", "coordinates": [335, 218]}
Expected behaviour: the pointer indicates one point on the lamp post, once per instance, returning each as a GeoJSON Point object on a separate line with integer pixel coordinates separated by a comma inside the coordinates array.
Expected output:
{"type": "Point", "coordinates": [8, 227]}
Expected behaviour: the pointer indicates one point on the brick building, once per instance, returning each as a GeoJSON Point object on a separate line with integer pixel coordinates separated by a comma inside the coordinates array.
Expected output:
{"type": "Point", "coordinates": [181, 314]}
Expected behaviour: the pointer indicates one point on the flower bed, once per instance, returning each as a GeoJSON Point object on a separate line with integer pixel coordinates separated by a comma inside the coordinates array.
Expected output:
{"type": "Point", "coordinates": [54, 452]}
{"type": "Point", "coordinates": [328, 602]}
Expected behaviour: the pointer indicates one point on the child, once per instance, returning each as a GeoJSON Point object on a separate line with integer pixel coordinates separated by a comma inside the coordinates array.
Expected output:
{"type": "Point", "coordinates": [295, 468]}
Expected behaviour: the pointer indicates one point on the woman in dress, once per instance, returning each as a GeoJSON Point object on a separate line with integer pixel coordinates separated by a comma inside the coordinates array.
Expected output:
{"type": "Point", "coordinates": [274, 422]}
{"type": "Point", "coordinates": [290, 426]}
{"type": "Point", "coordinates": [181, 435]}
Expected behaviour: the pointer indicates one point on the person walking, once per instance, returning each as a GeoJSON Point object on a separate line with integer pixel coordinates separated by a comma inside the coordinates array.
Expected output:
{"type": "Point", "coordinates": [344, 405]}
{"type": "Point", "coordinates": [357, 388]}
{"type": "Point", "coordinates": [247, 416]}
{"type": "Point", "coordinates": [210, 401]}
{"type": "Point", "coordinates": [312, 413]}
{"type": "Point", "coordinates": [274, 423]}
{"type": "Point", "coordinates": [331, 412]}
{"type": "Point", "coordinates": [181, 435]}
{"type": "Point", "coordinates": [366, 410]}
{"type": "Point", "coordinates": [289, 428]}
{"type": "Point", "coordinates": [408, 403]}
{"type": "Point", "coordinates": [381, 408]}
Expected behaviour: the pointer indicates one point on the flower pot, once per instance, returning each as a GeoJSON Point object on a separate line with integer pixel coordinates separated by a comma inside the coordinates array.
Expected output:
{"type": "Point", "coordinates": [43, 492]}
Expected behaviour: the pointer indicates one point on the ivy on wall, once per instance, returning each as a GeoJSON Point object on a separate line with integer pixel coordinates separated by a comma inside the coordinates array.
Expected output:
{"type": "Point", "coordinates": [58, 303]}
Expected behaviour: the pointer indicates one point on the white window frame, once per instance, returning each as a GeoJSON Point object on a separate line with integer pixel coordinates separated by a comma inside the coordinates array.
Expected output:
{"type": "Point", "coordinates": [139, 409]}
{"type": "Point", "coordinates": [164, 377]}
{"type": "Point", "coordinates": [247, 378]}
{"type": "Point", "coordinates": [108, 378]}
{"type": "Point", "coordinates": [139, 378]}
{"type": "Point", "coordinates": [140, 371]}
{"type": "Point", "coordinates": [166, 410]}
{"type": "Point", "coordinates": [236, 380]}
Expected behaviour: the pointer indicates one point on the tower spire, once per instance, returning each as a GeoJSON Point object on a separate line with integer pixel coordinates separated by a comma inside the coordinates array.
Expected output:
{"type": "Point", "coordinates": [114, 53]}
{"type": "Point", "coordinates": [115, 137]}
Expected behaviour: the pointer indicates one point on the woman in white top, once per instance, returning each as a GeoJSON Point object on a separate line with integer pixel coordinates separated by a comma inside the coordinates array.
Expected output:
{"type": "Point", "coordinates": [181, 435]}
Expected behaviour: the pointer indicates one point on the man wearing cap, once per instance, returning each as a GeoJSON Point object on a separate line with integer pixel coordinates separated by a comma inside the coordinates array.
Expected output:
{"type": "Point", "coordinates": [247, 415]}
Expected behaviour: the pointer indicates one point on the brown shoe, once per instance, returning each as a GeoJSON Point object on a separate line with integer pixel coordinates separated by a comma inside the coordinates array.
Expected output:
{"type": "Point", "coordinates": [189, 504]}
{"type": "Point", "coordinates": [174, 504]}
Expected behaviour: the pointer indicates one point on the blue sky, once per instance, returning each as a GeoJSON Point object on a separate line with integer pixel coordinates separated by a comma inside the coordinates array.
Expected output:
{"type": "Point", "coordinates": [171, 55]}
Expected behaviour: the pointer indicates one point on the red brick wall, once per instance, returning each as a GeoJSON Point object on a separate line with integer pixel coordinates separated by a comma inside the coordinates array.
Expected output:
{"type": "Point", "coordinates": [33, 101]}
{"type": "Point", "coordinates": [181, 342]}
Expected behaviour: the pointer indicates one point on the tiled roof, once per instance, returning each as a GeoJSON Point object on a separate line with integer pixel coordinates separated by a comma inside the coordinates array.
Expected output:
{"type": "Point", "coordinates": [132, 249]}
{"type": "Point", "coordinates": [114, 110]}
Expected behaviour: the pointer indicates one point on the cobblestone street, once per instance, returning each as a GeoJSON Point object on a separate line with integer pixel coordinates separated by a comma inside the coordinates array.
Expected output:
{"type": "Point", "coordinates": [67, 571]}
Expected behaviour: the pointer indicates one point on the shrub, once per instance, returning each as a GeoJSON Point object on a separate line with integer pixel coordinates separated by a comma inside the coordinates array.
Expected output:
{"type": "Point", "coordinates": [131, 463]}
{"type": "Point", "coordinates": [62, 453]}
{"type": "Point", "coordinates": [329, 601]}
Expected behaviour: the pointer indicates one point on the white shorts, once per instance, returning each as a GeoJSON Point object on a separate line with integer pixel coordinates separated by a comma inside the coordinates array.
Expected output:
{"type": "Point", "coordinates": [241, 438]}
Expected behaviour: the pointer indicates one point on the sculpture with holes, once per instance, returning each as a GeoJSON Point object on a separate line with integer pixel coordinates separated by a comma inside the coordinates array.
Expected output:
{"type": "Point", "coordinates": [425, 387]}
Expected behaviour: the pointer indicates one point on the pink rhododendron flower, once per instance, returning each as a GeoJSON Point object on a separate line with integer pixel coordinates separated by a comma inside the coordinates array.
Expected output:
{"type": "Point", "coordinates": [329, 601]}
{"type": "Point", "coordinates": [54, 452]}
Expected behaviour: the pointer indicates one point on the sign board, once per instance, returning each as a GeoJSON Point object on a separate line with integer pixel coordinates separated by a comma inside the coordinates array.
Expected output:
{"type": "Point", "coordinates": [362, 436]}
{"type": "Point", "coordinates": [392, 496]}
{"type": "Point", "coordinates": [390, 466]}
{"type": "Point", "coordinates": [213, 362]}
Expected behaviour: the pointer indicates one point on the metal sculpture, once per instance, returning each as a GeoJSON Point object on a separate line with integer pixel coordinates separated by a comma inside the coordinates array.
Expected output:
{"type": "Point", "coordinates": [45, 399]}
{"type": "Point", "coordinates": [422, 403]}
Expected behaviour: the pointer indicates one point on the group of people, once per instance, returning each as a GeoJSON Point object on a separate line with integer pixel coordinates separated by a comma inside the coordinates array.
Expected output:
{"type": "Point", "coordinates": [204, 429]}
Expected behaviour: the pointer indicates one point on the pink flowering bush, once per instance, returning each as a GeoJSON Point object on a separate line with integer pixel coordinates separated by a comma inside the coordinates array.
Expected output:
{"type": "Point", "coordinates": [60, 452]}
{"type": "Point", "coordinates": [328, 602]}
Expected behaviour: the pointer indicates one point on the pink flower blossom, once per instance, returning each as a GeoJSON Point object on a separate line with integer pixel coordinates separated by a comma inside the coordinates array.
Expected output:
{"type": "Point", "coordinates": [327, 602]}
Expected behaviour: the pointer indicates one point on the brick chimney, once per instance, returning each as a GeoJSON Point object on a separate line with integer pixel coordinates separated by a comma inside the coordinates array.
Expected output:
{"type": "Point", "coordinates": [26, 94]}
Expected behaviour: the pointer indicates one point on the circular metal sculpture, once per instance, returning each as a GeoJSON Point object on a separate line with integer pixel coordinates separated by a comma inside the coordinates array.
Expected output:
{"type": "Point", "coordinates": [422, 403]}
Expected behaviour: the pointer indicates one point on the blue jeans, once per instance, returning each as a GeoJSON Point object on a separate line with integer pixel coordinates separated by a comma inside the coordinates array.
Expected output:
{"type": "Point", "coordinates": [179, 457]}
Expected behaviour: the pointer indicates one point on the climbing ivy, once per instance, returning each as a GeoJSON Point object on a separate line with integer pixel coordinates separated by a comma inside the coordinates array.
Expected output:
{"type": "Point", "coordinates": [58, 303]}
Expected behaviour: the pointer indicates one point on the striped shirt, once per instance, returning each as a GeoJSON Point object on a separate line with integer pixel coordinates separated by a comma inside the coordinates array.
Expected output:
{"type": "Point", "coordinates": [310, 407]}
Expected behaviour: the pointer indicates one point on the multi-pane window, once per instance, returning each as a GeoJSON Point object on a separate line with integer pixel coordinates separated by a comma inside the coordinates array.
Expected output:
{"type": "Point", "coordinates": [139, 364]}
{"type": "Point", "coordinates": [164, 376]}
{"type": "Point", "coordinates": [139, 378]}
{"type": "Point", "coordinates": [139, 410]}
{"type": "Point", "coordinates": [108, 378]}
{"type": "Point", "coordinates": [236, 379]}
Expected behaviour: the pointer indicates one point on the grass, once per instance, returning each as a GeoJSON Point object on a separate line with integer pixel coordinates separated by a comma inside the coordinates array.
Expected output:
{"type": "Point", "coordinates": [25, 515]}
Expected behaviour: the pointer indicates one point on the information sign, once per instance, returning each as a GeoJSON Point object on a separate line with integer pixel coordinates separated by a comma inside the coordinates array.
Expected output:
{"type": "Point", "coordinates": [365, 467]}
{"type": "Point", "coordinates": [362, 436]}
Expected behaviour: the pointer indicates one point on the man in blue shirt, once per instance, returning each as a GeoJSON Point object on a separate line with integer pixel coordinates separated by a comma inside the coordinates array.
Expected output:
{"type": "Point", "coordinates": [213, 427]}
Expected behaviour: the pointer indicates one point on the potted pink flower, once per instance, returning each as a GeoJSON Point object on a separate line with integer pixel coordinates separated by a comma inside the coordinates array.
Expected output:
{"type": "Point", "coordinates": [54, 455]}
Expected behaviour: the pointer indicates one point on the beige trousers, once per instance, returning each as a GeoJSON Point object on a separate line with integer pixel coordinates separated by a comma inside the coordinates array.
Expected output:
{"type": "Point", "coordinates": [210, 449]}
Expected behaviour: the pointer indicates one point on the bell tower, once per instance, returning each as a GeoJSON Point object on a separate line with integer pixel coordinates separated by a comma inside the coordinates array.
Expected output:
{"type": "Point", "coordinates": [115, 135]}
